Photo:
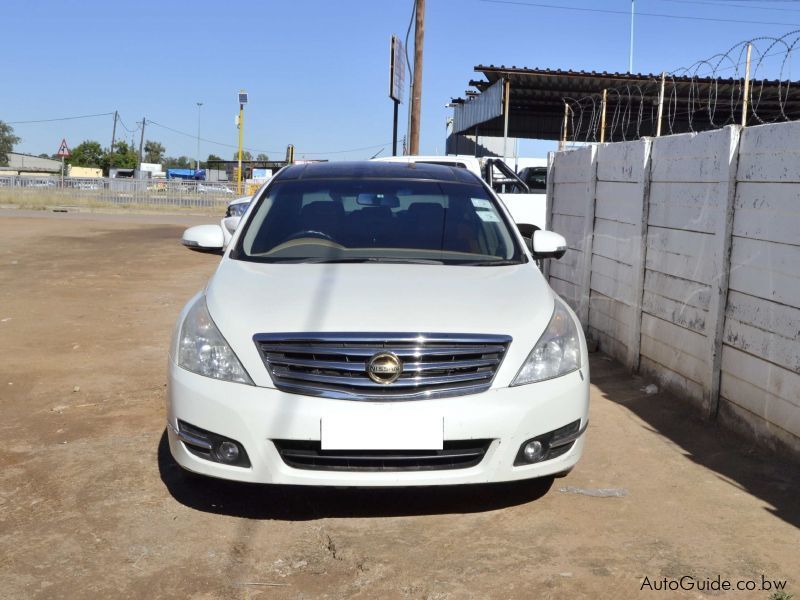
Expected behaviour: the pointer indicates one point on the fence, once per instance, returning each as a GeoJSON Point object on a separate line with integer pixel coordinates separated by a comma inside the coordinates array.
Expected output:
{"type": "Point", "coordinates": [684, 263]}
{"type": "Point", "coordinates": [119, 192]}
{"type": "Point", "coordinates": [749, 82]}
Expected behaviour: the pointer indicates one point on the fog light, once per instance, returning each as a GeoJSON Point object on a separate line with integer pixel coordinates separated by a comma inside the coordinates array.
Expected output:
{"type": "Point", "coordinates": [533, 451]}
{"type": "Point", "coordinates": [228, 452]}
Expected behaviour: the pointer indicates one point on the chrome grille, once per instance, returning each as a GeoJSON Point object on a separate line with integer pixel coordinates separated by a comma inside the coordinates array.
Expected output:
{"type": "Point", "coordinates": [334, 365]}
{"type": "Point", "coordinates": [456, 454]}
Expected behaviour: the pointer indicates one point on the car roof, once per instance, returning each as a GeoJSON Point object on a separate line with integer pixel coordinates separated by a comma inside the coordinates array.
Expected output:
{"type": "Point", "coordinates": [377, 170]}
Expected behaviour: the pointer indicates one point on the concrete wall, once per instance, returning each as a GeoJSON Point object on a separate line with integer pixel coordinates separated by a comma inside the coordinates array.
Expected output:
{"type": "Point", "coordinates": [572, 209]}
{"type": "Point", "coordinates": [684, 263]}
{"type": "Point", "coordinates": [761, 337]}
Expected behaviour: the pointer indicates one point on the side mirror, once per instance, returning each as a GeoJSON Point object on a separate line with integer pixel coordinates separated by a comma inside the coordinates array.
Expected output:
{"type": "Point", "coordinates": [207, 238]}
{"type": "Point", "coordinates": [548, 244]}
{"type": "Point", "coordinates": [231, 223]}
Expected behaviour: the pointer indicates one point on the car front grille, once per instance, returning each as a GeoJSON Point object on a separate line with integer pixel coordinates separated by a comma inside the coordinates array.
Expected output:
{"type": "Point", "coordinates": [457, 454]}
{"type": "Point", "coordinates": [334, 365]}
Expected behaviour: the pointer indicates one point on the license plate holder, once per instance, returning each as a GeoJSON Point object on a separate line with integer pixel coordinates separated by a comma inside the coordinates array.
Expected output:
{"type": "Point", "coordinates": [382, 432]}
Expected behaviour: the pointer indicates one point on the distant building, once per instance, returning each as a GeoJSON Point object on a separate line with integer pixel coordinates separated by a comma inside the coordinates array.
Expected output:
{"type": "Point", "coordinates": [86, 172]}
{"type": "Point", "coordinates": [27, 163]}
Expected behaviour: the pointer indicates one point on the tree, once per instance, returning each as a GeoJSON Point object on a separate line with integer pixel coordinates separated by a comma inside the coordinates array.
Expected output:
{"type": "Point", "coordinates": [7, 141]}
{"type": "Point", "coordinates": [206, 164]}
{"type": "Point", "coordinates": [122, 157]}
{"type": "Point", "coordinates": [88, 154]}
{"type": "Point", "coordinates": [153, 152]}
{"type": "Point", "coordinates": [182, 162]}
{"type": "Point", "coordinates": [262, 157]}
{"type": "Point", "coordinates": [246, 155]}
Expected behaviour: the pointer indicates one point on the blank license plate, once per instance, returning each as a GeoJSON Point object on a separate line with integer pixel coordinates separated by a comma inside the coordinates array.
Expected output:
{"type": "Point", "coordinates": [382, 432]}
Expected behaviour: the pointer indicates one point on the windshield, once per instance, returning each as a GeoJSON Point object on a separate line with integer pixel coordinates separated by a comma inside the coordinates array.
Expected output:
{"type": "Point", "coordinates": [378, 220]}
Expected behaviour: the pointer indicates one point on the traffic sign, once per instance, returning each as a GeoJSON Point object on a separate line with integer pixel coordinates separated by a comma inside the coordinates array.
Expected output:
{"type": "Point", "coordinates": [63, 149]}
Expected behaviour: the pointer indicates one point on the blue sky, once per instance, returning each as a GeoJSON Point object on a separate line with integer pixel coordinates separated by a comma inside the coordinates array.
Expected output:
{"type": "Point", "coordinates": [316, 70]}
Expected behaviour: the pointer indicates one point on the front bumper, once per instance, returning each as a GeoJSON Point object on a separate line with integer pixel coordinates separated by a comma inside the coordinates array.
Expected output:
{"type": "Point", "coordinates": [254, 416]}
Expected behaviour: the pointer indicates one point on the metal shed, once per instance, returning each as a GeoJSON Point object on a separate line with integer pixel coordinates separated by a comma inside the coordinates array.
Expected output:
{"type": "Point", "coordinates": [537, 97]}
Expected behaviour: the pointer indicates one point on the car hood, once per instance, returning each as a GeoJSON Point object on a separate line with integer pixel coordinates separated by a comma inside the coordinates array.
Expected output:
{"type": "Point", "coordinates": [247, 298]}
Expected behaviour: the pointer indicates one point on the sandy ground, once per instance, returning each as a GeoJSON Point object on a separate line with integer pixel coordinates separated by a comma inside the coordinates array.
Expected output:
{"type": "Point", "coordinates": [92, 506]}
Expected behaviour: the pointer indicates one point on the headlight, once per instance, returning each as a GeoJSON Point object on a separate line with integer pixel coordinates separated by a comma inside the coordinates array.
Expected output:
{"type": "Point", "coordinates": [557, 352]}
{"type": "Point", "coordinates": [203, 350]}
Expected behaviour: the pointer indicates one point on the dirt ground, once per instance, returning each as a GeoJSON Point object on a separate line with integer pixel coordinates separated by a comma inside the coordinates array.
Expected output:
{"type": "Point", "coordinates": [92, 505]}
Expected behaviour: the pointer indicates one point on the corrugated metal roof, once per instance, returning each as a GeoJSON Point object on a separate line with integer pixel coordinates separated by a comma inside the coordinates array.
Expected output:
{"type": "Point", "coordinates": [692, 103]}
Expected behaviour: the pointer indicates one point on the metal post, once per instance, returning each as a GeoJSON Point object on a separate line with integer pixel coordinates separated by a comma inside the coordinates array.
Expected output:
{"type": "Point", "coordinates": [603, 117]}
{"type": "Point", "coordinates": [630, 56]}
{"type": "Point", "coordinates": [394, 129]}
{"type": "Point", "coordinates": [506, 95]}
{"type": "Point", "coordinates": [416, 89]}
{"type": "Point", "coordinates": [62, 171]}
{"type": "Point", "coordinates": [197, 156]}
{"type": "Point", "coordinates": [563, 143]}
{"type": "Point", "coordinates": [241, 139]}
{"type": "Point", "coordinates": [746, 86]}
{"type": "Point", "coordinates": [660, 103]}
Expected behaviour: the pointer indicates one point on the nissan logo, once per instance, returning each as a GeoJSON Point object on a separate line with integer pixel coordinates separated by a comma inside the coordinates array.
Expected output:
{"type": "Point", "coordinates": [384, 368]}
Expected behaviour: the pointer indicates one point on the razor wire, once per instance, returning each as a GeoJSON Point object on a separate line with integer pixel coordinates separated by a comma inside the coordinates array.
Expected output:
{"type": "Point", "coordinates": [708, 94]}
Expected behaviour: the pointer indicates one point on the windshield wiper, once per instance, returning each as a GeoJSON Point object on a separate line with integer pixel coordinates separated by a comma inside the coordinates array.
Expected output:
{"type": "Point", "coordinates": [375, 259]}
{"type": "Point", "coordinates": [490, 263]}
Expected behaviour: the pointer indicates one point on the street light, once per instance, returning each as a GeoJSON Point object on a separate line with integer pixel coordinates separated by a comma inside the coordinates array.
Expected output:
{"type": "Point", "coordinates": [197, 156]}
{"type": "Point", "coordinates": [240, 124]}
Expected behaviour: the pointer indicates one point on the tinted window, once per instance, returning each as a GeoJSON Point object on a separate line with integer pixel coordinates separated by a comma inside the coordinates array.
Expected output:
{"type": "Point", "coordinates": [535, 177]}
{"type": "Point", "coordinates": [352, 220]}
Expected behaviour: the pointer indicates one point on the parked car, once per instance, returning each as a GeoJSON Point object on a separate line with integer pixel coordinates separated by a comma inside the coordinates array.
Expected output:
{"type": "Point", "coordinates": [205, 188]}
{"type": "Point", "coordinates": [378, 324]}
{"type": "Point", "coordinates": [40, 183]}
{"type": "Point", "coordinates": [535, 178]}
{"type": "Point", "coordinates": [237, 208]}
{"type": "Point", "coordinates": [525, 204]}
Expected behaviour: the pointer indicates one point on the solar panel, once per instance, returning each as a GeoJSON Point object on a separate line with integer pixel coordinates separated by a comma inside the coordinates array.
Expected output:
{"type": "Point", "coordinates": [242, 97]}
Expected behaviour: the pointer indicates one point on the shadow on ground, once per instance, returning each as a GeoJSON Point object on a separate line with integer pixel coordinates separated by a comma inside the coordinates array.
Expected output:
{"type": "Point", "coordinates": [300, 503]}
{"type": "Point", "coordinates": [733, 458]}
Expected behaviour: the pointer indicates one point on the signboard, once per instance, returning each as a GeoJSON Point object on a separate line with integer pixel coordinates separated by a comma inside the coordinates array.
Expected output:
{"type": "Point", "coordinates": [262, 174]}
{"type": "Point", "coordinates": [63, 149]}
{"type": "Point", "coordinates": [397, 70]}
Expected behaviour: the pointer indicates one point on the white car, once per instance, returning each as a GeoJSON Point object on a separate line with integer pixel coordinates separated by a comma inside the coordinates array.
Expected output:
{"type": "Point", "coordinates": [526, 205]}
{"type": "Point", "coordinates": [378, 324]}
{"type": "Point", "coordinates": [205, 188]}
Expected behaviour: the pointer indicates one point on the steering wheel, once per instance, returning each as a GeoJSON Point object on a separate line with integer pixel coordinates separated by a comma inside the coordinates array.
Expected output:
{"type": "Point", "coordinates": [312, 233]}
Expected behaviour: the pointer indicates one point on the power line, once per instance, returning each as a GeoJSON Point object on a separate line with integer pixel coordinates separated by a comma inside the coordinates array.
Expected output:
{"type": "Point", "coordinates": [640, 14]}
{"type": "Point", "coordinates": [60, 119]}
{"type": "Point", "coordinates": [350, 150]}
{"type": "Point", "coordinates": [730, 5]}
{"type": "Point", "coordinates": [194, 137]}
{"type": "Point", "coordinates": [128, 129]}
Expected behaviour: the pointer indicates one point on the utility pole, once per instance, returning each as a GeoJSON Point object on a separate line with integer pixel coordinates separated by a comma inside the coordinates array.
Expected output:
{"type": "Point", "coordinates": [197, 156]}
{"type": "Point", "coordinates": [416, 85]}
{"type": "Point", "coordinates": [141, 142]}
{"type": "Point", "coordinates": [113, 141]}
{"type": "Point", "coordinates": [630, 55]}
